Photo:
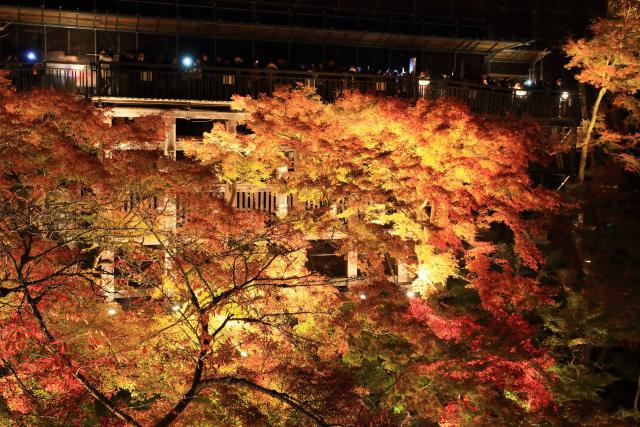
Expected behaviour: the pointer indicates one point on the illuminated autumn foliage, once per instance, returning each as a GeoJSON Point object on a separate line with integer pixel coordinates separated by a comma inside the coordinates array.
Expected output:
{"type": "Point", "coordinates": [219, 319]}
{"type": "Point", "coordinates": [431, 186]}
{"type": "Point", "coordinates": [225, 290]}
{"type": "Point", "coordinates": [608, 61]}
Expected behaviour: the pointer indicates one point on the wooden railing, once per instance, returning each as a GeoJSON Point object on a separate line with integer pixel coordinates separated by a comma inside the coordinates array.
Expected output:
{"type": "Point", "coordinates": [116, 80]}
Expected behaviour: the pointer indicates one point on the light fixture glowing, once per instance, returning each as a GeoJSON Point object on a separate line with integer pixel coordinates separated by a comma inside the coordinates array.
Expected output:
{"type": "Point", "coordinates": [521, 92]}
{"type": "Point", "coordinates": [112, 311]}
{"type": "Point", "coordinates": [410, 294]}
{"type": "Point", "coordinates": [187, 61]}
{"type": "Point", "coordinates": [363, 296]}
{"type": "Point", "coordinates": [244, 353]}
{"type": "Point", "coordinates": [423, 274]}
{"type": "Point", "coordinates": [564, 96]}
{"type": "Point", "coordinates": [424, 82]}
{"type": "Point", "coordinates": [588, 261]}
{"type": "Point", "coordinates": [175, 308]}
{"type": "Point", "coordinates": [31, 56]}
{"type": "Point", "coordinates": [528, 82]}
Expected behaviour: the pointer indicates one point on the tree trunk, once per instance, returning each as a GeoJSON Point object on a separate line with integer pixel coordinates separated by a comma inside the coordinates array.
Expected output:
{"type": "Point", "coordinates": [234, 193]}
{"type": "Point", "coordinates": [584, 151]}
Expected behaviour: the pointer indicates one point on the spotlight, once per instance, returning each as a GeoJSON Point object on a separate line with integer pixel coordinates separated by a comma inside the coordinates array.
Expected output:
{"type": "Point", "coordinates": [187, 61]}
{"type": "Point", "coordinates": [528, 82]}
{"type": "Point", "coordinates": [564, 96]}
{"type": "Point", "coordinates": [31, 56]}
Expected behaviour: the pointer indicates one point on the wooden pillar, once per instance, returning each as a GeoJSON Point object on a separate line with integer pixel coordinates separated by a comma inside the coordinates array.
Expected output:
{"type": "Point", "coordinates": [170, 142]}
{"type": "Point", "coordinates": [107, 278]}
{"type": "Point", "coordinates": [104, 153]}
{"type": "Point", "coordinates": [283, 205]}
{"type": "Point", "coordinates": [230, 125]}
{"type": "Point", "coordinates": [169, 219]}
{"type": "Point", "coordinates": [403, 273]}
{"type": "Point", "coordinates": [352, 264]}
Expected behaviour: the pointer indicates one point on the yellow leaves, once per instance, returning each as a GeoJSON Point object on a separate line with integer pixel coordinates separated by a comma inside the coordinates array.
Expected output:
{"type": "Point", "coordinates": [239, 103]}
{"type": "Point", "coordinates": [311, 194]}
{"type": "Point", "coordinates": [433, 269]}
{"type": "Point", "coordinates": [342, 173]}
{"type": "Point", "coordinates": [462, 175]}
{"type": "Point", "coordinates": [288, 265]}
{"type": "Point", "coordinates": [239, 158]}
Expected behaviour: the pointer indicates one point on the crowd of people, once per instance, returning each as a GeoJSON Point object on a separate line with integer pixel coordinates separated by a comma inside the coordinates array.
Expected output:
{"type": "Point", "coordinates": [204, 60]}
{"type": "Point", "coordinates": [331, 66]}
{"type": "Point", "coordinates": [194, 64]}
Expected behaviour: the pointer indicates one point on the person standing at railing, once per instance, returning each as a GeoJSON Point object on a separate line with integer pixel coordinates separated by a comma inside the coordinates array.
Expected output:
{"type": "Point", "coordinates": [197, 79]}
{"type": "Point", "coordinates": [13, 68]}
{"type": "Point", "coordinates": [124, 75]}
{"type": "Point", "coordinates": [563, 98]}
{"type": "Point", "coordinates": [145, 80]}
{"type": "Point", "coordinates": [104, 65]}
{"type": "Point", "coordinates": [253, 83]}
{"type": "Point", "coordinates": [205, 75]}
{"type": "Point", "coordinates": [37, 74]}
{"type": "Point", "coordinates": [271, 68]}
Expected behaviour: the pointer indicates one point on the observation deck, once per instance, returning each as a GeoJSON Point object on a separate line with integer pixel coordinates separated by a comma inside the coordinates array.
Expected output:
{"type": "Point", "coordinates": [212, 88]}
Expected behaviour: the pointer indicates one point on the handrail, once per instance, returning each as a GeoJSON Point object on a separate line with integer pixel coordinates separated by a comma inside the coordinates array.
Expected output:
{"type": "Point", "coordinates": [156, 81]}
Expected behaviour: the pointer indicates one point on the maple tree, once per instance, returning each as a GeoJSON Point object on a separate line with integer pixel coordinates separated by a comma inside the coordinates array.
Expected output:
{"type": "Point", "coordinates": [420, 184]}
{"type": "Point", "coordinates": [608, 60]}
{"type": "Point", "coordinates": [222, 291]}
{"type": "Point", "coordinates": [590, 330]}
{"type": "Point", "coordinates": [132, 293]}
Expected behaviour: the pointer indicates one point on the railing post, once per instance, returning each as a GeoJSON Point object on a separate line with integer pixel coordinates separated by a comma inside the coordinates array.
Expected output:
{"type": "Point", "coordinates": [98, 69]}
{"type": "Point", "coordinates": [41, 74]}
{"type": "Point", "coordinates": [269, 82]}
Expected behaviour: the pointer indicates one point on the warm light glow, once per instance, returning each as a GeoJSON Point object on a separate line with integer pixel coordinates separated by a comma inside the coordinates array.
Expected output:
{"type": "Point", "coordinates": [521, 92]}
{"type": "Point", "coordinates": [112, 311]}
{"type": "Point", "coordinates": [363, 296]}
{"type": "Point", "coordinates": [244, 353]}
{"type": "Point", "coordinates": [588, 261]}
{"type": "Point", "coordinates": [423, 274]}
{"type": "Point", "coordinates": [175, 307]}
{"type": "Point", "coordinates": [424, 82]}
{"type": "Point", "coordinates": [564, 96]}
{"type": "Point", "coordinates": [187, 61]}
{"type": "Point", "coordinates": [424, 283]}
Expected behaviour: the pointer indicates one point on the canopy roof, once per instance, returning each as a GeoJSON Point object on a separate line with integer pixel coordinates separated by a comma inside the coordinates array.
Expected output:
{"type": "Point", "coordinates": [495, 50]}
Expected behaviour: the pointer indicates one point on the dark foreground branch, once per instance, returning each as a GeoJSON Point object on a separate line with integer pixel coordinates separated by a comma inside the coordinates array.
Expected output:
{"type": "Point", "coordinates": [283, 397]}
